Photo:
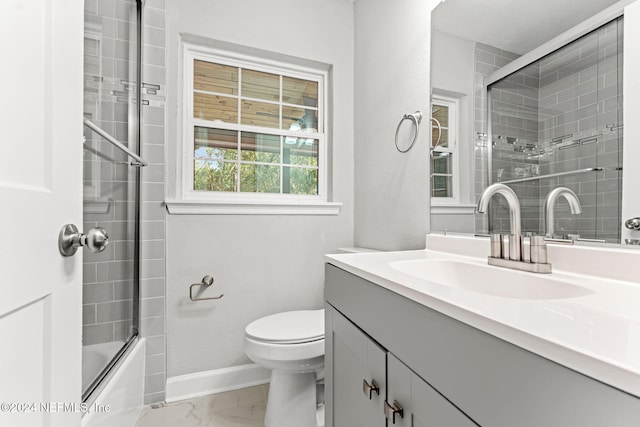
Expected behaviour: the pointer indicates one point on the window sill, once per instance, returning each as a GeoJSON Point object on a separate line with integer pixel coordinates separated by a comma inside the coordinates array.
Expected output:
{"type": "Point", "coordinates": [250, 207]}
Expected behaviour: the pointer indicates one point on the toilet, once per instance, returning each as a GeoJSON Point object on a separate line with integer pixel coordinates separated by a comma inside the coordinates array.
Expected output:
{"type": "Point", "coordinates": [291, 344]}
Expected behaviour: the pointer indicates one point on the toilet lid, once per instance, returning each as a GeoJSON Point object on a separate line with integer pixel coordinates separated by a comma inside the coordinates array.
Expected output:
{"type": "Point", "coordinates": [290, 327]}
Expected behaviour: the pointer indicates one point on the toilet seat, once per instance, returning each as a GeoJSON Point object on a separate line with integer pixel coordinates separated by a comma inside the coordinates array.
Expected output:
{"type": "Point", "coordinates": [291, 327]}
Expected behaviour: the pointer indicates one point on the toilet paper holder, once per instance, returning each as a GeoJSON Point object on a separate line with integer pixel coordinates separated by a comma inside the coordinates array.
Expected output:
{"type": "Point", "coordinates": [205, 283]}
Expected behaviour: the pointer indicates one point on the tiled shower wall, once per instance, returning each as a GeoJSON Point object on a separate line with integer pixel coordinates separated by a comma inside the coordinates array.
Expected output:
{"type": "Point", "coordinates": [107, 293]}
{"type": "Point", "coordinates": [560, 114]}
{"type": "Point", "coordinates": [514, 123]}
{"type": "Point", "coordinates": [580, 95]}
{"type": "Point", "coordinates": [487, 60]}
{"type": "Point", "coordinates": [108, 180]}
{"type": "Point", "coordinates": [152, 216]}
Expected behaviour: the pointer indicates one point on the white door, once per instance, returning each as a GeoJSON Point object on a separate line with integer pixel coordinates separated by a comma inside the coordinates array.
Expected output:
{"type": "Point", "coordinates": [41, 63]}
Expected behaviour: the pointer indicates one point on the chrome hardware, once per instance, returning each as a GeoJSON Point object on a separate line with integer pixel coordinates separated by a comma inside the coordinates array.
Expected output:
{"type": "Point", "coordinates": [416, 118]}
{"type": "Point", "coordinates": [69, 240]}
{"type": "Point", "coordinates": [391, 411]}
{"type": "Point", "coordinates": [496, 245]}
{"type": "Point", "coordinates": [520, 265]}
{"type": "Point", "coordinates": [537, 262]}
{"type": "Point", "coordinates": [515, 241]}
{"type": "Point", "coordinates": [206, 282]}
{"type": "Point", "coordinates": [633, 223]}
{"type": "Point", "coordinates": [369, 389]}
{"type": "Point", "coordinates": [137, 160]}
{"type": "Point", "coordinates": [549, 203]}
{"type": "Point", "coordinates": [538, 250]}
{"type": "Point", "coordinates": [433, 146]}
{"type": "Point", "coordinates": [561, 241]}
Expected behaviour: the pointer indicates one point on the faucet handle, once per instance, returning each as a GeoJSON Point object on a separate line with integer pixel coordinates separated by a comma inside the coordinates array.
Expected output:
{"type": "Point", "coordinates": [496, 245]}
{"type": "Point", "coordinates": [538, 250]}
{"type": "Point", "coordinates": [515, 247]}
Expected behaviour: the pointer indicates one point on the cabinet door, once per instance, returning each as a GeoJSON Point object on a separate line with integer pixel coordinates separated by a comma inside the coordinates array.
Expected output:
{"type": "Point", "coordinates": [356, 359]}
{"type": "Point", "coordinates": [422, 406]}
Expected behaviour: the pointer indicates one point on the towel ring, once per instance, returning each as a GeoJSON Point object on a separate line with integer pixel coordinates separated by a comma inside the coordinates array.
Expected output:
{"type": "Point", "coordinates": [416, 118]}
{"type": "Point", "coordinates": [433, 147]}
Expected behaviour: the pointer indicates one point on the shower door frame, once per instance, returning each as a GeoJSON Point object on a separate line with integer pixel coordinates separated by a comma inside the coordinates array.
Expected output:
{"type": "Point", "coordinates": [90, 393]}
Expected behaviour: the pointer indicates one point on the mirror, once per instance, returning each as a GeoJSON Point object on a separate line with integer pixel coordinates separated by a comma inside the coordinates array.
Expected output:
{"type": "Point", "coordinates": [555, 112]}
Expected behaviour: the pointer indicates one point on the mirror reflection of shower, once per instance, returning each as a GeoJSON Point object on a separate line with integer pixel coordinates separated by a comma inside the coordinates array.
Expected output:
{"type": "Point", "coordinates": [557, 123]}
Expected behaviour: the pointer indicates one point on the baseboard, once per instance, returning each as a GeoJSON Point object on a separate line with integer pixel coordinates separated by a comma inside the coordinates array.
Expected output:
{"type": "Point", "coordinates": [216, 381]}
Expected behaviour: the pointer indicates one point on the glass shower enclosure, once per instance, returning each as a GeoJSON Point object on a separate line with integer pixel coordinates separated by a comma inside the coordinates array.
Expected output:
{"type": "Point", "coordinates": [557, 122]}
{"type": "Point", "coordinates": [111, 184]}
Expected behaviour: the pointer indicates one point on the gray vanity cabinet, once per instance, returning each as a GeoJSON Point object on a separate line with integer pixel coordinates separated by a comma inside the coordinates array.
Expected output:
{"type": "Point", "coordinates": [422, 405]}
{"type": "Point", "coordinates": [368, 384]}
{"type": "Point", "coordinates": [444, 372]}
{"type": "Point", "coordinates": [359, 369]}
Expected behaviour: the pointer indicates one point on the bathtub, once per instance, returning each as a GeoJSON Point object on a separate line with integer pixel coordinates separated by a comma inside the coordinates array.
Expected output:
{"type": "Point", "coordinates": [120, 401]}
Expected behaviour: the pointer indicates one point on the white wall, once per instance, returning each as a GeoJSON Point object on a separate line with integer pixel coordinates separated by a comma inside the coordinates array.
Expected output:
{"type": "Point", "coordinates": [392, 51]}
{"type": "Point", "coordinates": [263, 264]}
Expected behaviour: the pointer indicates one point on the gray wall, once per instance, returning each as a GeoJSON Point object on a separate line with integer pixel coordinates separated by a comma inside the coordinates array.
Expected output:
{"type": "Point", "coordinates": [263, 264]}
{"type": "Point", "coordinates": [392, 55]}
{"type": "Point", "coordinates": [152, 211]}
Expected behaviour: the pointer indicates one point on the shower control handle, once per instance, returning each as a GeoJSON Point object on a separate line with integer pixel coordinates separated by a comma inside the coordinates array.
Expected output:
{"type": "Point", "coordinates": [70, 239]}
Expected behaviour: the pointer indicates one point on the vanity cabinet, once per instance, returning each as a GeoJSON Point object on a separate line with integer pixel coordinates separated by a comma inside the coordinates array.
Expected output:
{"type": "Point", "coordinates": [359, 370]}
{"type": "Point", "coordinates": [422, 405]}
{"type": "Point", "coordinates": [369, 384]}
{"type": "Point", "coordinates": [445, 372]}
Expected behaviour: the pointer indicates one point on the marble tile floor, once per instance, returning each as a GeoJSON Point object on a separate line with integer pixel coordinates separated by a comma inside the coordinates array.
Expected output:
{"type": "Point", "coordinates": [239, 408]}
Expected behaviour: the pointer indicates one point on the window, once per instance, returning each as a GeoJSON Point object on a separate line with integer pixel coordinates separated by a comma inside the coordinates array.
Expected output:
{"type": "Point", "coordinates": [444, 150]}
{"type": "Point", "coordinates": [253, 131]}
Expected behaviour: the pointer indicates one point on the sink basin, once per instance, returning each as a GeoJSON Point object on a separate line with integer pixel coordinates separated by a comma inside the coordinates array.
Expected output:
{"type": "Point", "coordinates": [490, 280]}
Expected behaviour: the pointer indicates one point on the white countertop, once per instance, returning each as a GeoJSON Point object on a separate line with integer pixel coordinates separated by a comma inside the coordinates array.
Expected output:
{"type": "Point", "coordinates": [597, 334]}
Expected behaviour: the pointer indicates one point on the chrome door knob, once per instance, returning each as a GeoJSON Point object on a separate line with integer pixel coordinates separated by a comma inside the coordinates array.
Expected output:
{"type": "Point", "coordinates": [69, 240]}
{"type": "Point", "coordinates": [633, 223]}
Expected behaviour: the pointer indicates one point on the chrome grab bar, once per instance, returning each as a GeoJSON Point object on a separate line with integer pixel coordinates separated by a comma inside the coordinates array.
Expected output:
{"type": "Point", "coordinates": [139, 161]}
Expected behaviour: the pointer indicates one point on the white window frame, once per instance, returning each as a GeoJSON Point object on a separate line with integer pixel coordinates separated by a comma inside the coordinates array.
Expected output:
{"type": "Point", "coordinates": [453, 149]}
{"type": "Point", "coordinates": [190, 201]}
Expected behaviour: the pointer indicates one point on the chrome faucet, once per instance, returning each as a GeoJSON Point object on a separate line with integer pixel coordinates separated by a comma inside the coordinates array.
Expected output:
{"type": "Point", "coordinates": [549, 203]}
{"type": "Point", "coordinates": [515, 239]}
{"type": "Point", "coordinates": [537, 262]}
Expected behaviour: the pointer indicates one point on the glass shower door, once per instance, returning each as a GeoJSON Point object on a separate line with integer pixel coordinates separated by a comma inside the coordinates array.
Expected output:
{"type": "Point", "coordinates": [110, 282]}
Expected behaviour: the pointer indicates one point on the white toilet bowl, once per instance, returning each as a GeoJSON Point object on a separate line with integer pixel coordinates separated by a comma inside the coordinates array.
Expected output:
{"type": "Point", "coordinates": [291, 344]}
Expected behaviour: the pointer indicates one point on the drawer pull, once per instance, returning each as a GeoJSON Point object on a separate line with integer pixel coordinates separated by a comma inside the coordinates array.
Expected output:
{"type": "Point", "coordinates": [391, 411]}
{"type": "Point", "coordinates": [369, 389]}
